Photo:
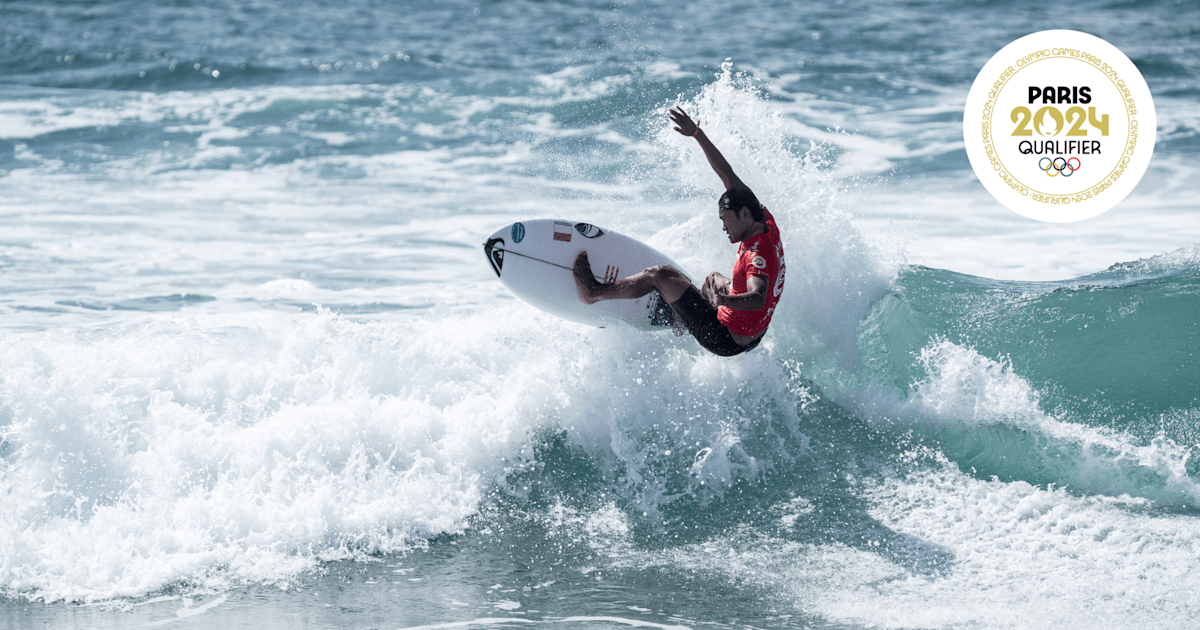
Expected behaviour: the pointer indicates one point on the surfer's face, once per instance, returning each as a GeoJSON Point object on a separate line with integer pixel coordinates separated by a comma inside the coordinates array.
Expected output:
{"type": "Point", "coordinates": [735, 224]}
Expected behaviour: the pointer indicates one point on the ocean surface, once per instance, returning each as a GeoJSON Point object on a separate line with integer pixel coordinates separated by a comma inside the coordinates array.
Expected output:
{"type": "Point", "coordinates": [255, 371]}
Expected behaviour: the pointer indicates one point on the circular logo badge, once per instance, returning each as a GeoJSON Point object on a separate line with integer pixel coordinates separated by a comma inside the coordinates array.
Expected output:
{"type": "Point", "coordinates": [518, 232]}
{"type": "Point", "coordinates": [1059, 126]}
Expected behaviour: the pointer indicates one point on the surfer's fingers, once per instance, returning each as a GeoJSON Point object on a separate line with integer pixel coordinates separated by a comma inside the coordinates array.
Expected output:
{"type": "Point", "coordinates": [683, 122]}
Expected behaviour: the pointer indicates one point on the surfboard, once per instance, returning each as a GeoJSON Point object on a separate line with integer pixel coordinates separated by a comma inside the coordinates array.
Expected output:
{"type": "Point", "coordinates": [535, 260]}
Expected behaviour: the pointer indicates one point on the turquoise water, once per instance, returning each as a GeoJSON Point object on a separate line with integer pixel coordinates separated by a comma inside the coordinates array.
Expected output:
{"type": "Point", "coordinates": [255, 371]}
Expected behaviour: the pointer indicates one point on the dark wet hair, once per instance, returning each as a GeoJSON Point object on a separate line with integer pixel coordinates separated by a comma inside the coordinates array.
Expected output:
{"type": "Point", "coordinates": [737, 198]}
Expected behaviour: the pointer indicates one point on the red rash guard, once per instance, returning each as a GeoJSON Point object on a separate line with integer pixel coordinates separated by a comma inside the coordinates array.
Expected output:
{"type": "Point", "coordinates": [759, 255]}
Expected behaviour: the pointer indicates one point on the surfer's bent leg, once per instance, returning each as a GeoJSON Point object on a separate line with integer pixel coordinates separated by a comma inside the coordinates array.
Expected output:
{"type": "Point", "coordinates": [663, 278]}
{"type": "Point", "coordinates": [696, 312]}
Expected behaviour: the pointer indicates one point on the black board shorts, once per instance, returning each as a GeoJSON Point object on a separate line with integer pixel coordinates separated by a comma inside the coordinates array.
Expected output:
{"type": "Point", "coordinates": [701, 320]}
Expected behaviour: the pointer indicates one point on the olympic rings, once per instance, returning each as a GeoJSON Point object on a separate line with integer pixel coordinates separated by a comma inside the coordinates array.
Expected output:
{"type": "Point", "coordinates": [1059, 166]}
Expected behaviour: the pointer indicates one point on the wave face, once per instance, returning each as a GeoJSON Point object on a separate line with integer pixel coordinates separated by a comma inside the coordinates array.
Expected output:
{"type": "Point", "coordinates": [1056, 383]}
{"type": "Point", "coordinates": [1093, 344]}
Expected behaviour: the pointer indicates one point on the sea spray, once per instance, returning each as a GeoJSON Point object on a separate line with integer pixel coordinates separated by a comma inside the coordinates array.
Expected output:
{"type": "Point", "coordinates": [833, 273]}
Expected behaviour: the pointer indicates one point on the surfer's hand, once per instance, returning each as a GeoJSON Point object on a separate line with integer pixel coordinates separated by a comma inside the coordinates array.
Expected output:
{"type": "Point", "coordinates": [715, 286]}
{"type": "Point", "coordinates": [683, 122]}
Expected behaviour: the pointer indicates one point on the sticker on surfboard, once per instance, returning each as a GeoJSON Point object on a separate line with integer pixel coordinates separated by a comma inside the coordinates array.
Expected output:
{"type": "Point", "coordinates": [539, 269]}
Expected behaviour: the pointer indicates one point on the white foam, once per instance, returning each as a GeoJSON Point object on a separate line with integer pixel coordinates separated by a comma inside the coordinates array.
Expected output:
{"type": "Point", "coordinates": [1029, 557]}
{"type": "Point", "coordinates": [189, 611]}
{"type": "Point", "coordinates": [952, 551]}
{"type": "Point", "coordinates": [22, 120]}
{"type": "Point", "coordinates": [155, 454]}
{"type": "Point", "coordinates": [178, 452]}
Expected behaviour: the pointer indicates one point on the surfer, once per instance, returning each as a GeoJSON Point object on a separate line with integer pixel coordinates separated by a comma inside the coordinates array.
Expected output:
{"type": "Point", "coordinates": [728, 316]}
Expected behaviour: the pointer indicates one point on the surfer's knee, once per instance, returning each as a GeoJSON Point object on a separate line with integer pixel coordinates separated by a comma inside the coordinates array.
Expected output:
{"type": "Point", "coordinates": [663, 273]}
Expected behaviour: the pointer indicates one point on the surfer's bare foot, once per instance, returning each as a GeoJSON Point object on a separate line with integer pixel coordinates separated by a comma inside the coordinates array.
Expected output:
{"type": "Point", "coordinates": [585, 281]}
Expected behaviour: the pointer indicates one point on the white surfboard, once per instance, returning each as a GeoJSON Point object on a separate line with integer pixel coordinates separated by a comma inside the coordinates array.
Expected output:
{"type": "Point", "coordinates": [535, 260]}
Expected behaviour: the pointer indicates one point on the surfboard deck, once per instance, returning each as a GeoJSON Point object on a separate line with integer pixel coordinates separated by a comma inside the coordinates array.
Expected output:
{"type": "Point", "coordinates": [535, 260]}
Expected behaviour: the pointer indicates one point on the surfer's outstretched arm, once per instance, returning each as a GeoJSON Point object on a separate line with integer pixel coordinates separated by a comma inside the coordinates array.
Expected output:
{"type": "Point", "coordinates": [685, 126]}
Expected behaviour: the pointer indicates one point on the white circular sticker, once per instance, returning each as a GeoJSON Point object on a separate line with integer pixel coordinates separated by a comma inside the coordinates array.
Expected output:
{"type": "Point", "coordinates": [1059, 126]}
